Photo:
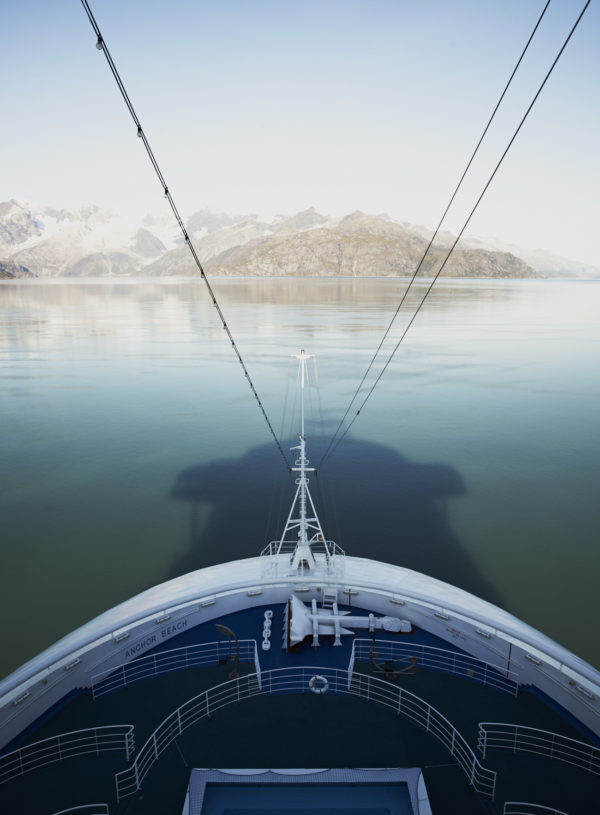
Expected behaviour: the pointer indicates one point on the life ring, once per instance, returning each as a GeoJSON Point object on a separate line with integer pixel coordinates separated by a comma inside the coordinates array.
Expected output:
{"type": "Point", "coordinates": [321, 687]}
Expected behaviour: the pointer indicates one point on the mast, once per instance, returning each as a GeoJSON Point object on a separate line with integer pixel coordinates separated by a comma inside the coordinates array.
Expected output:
{"type": "Point", "coordinates": [303, 516]}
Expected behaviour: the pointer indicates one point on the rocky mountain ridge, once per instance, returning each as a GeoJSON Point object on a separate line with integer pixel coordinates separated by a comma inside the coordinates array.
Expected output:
{"type": "Point", "coordinates": [91, 242]}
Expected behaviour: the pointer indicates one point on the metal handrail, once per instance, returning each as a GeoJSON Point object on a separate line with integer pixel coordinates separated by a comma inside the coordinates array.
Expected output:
{"type": "Point", "coordinates": [288, 547]}
{"type": "Point", "coordinates": [86, 809]}
{"type": "Point", "coordinates": [164, 662]}
{"type": "Point", "coordinates": [276, 558]}
{"type": "Point", "coordinates": [440, 659]}
{"type": "Point", "coordinates": [304, 680]}
{"type": "Point", "coordinates": [516, 737]}
{"type": "Point", "coordinates": [522, 808]}
{"type": "Point", "coordinates": [422, 713]}
{"type": "Point", "coordinates": [67, 745]}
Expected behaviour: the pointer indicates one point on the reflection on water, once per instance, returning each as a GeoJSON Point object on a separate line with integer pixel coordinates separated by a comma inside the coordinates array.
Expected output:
{"type": "Point", "coordinates": [403, 521]}
{"type": "Point", "coordinates": [131, 448]}
{"type": "Point", "coordinates": [40, 314]}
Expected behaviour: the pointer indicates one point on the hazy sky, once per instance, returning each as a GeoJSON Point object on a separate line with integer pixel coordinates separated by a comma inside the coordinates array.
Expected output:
{"type": "Point", "coordinates": [272, 107]}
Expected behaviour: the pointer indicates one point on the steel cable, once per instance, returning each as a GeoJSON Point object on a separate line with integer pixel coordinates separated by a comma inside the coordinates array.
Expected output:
{"type": "Point", "coordinates": [101, 45]}
{"type": "Point", "coordinates": [433, 237]}
{"type": "Point", "coordinates": [333, 444]}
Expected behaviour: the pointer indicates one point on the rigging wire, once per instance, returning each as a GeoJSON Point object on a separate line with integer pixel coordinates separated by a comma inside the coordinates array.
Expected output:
{"type": "Point", "coordinates": [320, 414]}
{"type": "Point", "coordinates": [277, 491]}
{"type": "Point", "coordinates": [322, 504]}
{"type": "Point", "coordinates": [284, 414]}
{"type": "Point", "coordinates": [433, 237]}
{"type": "Point", "coordinates": [333, 444]}
{"type": "Point", "coordinates": [101, 46]}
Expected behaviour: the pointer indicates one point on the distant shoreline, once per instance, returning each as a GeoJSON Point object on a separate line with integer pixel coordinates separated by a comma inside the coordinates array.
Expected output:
{"type": "Point", "coordinates": [192, 278]}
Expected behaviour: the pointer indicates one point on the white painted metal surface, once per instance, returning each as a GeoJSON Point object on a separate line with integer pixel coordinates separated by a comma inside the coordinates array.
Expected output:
{"type": "Point", "coordinates": [307, 527]}
{"type": "Point", "coordinates": [130, 629]}
{"type": "Point", "coordinates": [324, 621]}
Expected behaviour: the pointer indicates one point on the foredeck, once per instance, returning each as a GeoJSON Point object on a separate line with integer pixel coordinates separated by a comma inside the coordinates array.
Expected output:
{"type": "Point", "coordinates": [303, 729]}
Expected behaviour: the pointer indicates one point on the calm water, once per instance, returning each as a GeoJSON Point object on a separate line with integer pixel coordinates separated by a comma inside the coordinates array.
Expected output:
{"type": "Point", "coordinates": [132, 450]}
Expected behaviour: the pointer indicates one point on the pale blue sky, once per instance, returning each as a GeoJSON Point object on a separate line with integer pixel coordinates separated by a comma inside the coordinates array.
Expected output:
{"type": "Point", "coordinates": [272, 107]}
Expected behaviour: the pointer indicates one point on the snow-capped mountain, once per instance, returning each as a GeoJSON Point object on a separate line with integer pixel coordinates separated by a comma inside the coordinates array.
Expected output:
{"type": "Point", "coordinates": [92, 242]}
{"type": "Point", "coordinates": [547, 263]}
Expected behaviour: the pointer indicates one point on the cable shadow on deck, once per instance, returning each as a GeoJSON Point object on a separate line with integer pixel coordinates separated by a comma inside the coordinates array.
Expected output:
{"type": "Point", "coordinates": [372, 501]}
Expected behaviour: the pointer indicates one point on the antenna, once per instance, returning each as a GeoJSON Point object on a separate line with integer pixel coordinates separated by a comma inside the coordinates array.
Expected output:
{"type": "Point", "coordinates": [302, 357]}
{"type": "Point", "coordinates": [299, 519]}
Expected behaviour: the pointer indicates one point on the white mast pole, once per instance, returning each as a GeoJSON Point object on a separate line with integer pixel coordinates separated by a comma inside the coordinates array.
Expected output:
{"type": "Point", "coordinates": [303, 531]}
{"type": "Point", "coordinates": [302, 523]}
{"type": "Point", "coordinates": [302, 357]}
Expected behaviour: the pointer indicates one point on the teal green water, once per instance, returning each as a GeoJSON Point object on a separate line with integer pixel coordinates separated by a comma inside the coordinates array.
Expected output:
{"type": "Point", "coordinates": [132, 450]}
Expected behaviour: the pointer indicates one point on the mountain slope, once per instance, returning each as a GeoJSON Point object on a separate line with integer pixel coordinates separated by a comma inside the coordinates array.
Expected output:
{"type": "Point", "coordinates": [92, 242]}
{"type": "Point", "coordinates": [12, 271]}
{"type": "Point", "coordinates": [356, 253]}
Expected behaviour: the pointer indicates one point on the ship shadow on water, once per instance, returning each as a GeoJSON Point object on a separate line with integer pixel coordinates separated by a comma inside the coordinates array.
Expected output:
{"type": "Point", "coordinates": [371, 500]}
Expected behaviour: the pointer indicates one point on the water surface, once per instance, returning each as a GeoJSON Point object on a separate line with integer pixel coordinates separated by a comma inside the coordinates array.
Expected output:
{"type": "Point", "coordinates": [132, 449]}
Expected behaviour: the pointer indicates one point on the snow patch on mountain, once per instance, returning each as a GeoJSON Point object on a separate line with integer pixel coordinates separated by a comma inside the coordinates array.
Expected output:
{"type": "Point", "coordinates": [90, 241]}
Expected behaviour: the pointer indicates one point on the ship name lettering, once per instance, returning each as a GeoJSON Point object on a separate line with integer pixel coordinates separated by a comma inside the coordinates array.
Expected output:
{"type": "Point", "coordinates": [140, 646]}
{"type": "Point", "coordinates": [173, 629]}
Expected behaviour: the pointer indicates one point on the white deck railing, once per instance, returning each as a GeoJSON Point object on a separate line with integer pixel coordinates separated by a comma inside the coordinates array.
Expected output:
{"type": "Point", "coordinates": [522, 808]}
{"type": "Point", "coordinates": [296, 680]}
{"type": "Point", "coordinates": [517, 738]}
{"type": "Point", "coordinates": [422, 713]}
{"type": "Point", "coordinates": [67, 745]}
{"type": "Point", "coordinates": [176, 659]}
{"type": "Point", "coordinates": [437, 659]}
{"type": "Point", "coordinates": [276, 558]}
{"type": "Point", "coordinates": [86, 809]}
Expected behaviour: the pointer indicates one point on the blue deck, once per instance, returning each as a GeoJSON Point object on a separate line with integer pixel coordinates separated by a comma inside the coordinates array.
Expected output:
{"type": "Point", "coordinates": [248, 624]}
{"type": "Point", "coordinates": [293, 731]}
